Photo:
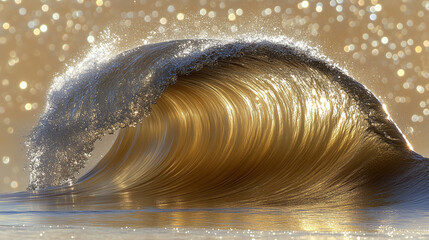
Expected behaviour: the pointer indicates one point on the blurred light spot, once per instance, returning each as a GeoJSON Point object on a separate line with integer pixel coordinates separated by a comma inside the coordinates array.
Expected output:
{"type": "Point", "coordinates": [56, 16]}
{"type": "Point", "coordinates": [65, 47]}
{"type": "Point", "coordinates": [418, 49]}
{"type": "Point", "coordinates": [6, 26]}
{"type": "Point", "coordinates": [303, 4]}
{"type": "Point", "coordinates": [212, 14]}
{"type": "Point", "coordinates": [90, 39]}
{"type": "Point", "coordinates": [231, 17]}
{"type": "Point", "coordinates": [13, 184]}
{"type": "Point", "coordinates": [420, 89]}
{"type": "Point", "coordinates": [28, 106]}
{"type": "Point", "coordinates": [171, 8]}
{"type": "Point", "coordinates": [319, 7]}
{"type": "Point", "coordinates": [45, 8]}
{"type": "Point", "coordinates": [36, 31]}
{"type": "Point", "coordinates": [6, 159]}
{"type": "Point", "coordinates": [22, 11]}
{"type": "Point", "coordinates": [378, 7]}
{"type": "Point", "coordinates": [267, 12]}
{"type": "Point", "coordinates": [180, 16]}
{"type": "Point", "coordinates": [43, 28]}
{"type": "Point", "coordinates": [23, 85]}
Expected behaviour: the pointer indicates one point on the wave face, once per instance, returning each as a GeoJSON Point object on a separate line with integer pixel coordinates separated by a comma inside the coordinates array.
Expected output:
{"type": "Point", "coordinates": [258, 121]}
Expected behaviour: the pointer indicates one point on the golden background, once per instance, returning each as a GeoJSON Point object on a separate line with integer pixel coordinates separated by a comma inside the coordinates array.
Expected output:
{"type": "Point", "coordinates": [383, 44]}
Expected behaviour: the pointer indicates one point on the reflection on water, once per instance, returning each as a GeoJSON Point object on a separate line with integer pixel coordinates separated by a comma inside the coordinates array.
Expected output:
{"type": "Point", "coordinates": [304, 218]}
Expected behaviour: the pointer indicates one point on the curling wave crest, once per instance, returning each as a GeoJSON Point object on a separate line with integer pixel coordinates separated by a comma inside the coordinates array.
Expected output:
{"type": "Point", "coordinates": [250, 121]}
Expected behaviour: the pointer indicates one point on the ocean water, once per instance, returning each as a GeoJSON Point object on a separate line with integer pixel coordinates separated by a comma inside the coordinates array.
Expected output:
{"type": "Point", "coordinates": [216, 120]}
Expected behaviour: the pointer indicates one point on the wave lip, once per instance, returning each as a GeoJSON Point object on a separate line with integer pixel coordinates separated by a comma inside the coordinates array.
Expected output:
{"type": "Point", "coordinates": [251, 114]}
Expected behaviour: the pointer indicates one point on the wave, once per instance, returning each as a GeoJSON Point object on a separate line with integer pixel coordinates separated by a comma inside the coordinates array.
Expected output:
{"type": "Point", "coordinates": [259, 121]}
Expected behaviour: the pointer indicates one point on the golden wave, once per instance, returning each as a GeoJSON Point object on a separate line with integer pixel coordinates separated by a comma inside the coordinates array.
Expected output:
{"type": "Point", "coordinates": [256, 123]}
{"type": "Point", "coordinates": [258, 132]}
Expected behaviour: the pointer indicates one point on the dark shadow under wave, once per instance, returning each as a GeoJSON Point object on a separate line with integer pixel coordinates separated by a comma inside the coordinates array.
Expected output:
{"type": "Point", "coordinates": [251, 121]}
